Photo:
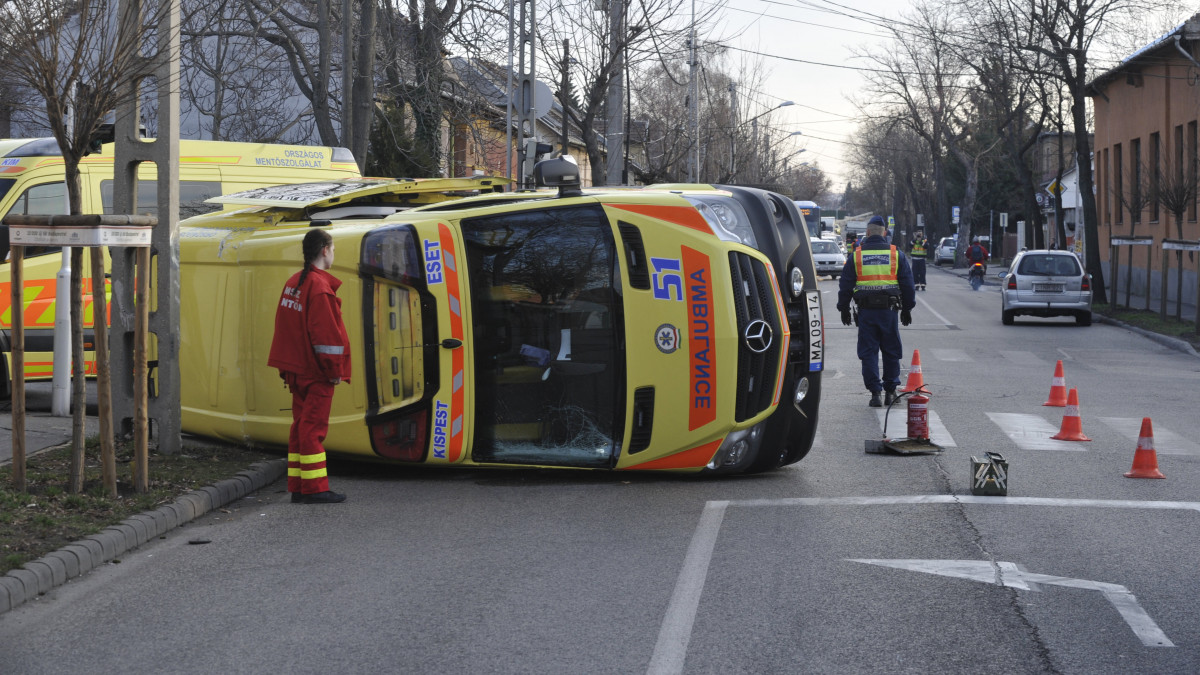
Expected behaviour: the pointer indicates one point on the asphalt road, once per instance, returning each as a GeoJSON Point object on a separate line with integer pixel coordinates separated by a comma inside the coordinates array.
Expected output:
{"type": "Point", "coordinates": [846, 562]}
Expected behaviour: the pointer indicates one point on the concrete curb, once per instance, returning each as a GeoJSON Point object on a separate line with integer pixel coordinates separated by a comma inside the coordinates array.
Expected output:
{"type": "Point", "coordinates": [1164, 340]}
{"type": "Point", "coordinates": [39, 576]}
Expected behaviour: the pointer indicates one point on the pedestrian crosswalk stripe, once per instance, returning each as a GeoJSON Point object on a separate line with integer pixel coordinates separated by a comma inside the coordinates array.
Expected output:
{"type": "Point", "coordinates": [950, 355]}
{"type": "Point", "coordinates": [897, 425]}
{"type": "Point", "coordinates": [1023, 358]}
{"type": "Point", "coordinates": [1031, 432]}
{"type": "Point", "coordinates": [1165, 441]}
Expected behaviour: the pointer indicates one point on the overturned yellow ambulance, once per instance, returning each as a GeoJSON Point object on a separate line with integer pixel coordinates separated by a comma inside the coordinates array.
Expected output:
{"type": "Point", "coordinates": [663, 328]}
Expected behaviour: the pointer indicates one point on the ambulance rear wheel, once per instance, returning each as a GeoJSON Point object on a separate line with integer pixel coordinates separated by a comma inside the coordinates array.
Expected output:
{"type": "Point", "coordinates": [5, 380]}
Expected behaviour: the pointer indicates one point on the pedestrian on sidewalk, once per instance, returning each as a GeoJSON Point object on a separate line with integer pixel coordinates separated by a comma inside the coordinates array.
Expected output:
{"type": "Point", "coordinates": [312, 352]}
{"type": "Point", "coordinates": [879, 280]}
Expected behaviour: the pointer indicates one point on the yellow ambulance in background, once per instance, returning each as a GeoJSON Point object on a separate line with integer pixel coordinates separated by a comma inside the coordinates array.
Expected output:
{"type": "Point", "coordinates": [673, 327]}
{"type": "Point", "coordinates": [32, 182]}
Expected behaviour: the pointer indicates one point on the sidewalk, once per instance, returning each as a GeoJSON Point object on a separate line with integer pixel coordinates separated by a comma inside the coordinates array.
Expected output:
{"type": "Point", "coordinates": [43, 430]}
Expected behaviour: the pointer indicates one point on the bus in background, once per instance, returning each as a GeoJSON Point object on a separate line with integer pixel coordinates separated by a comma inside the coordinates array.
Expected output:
{"type": "Point", "coordinates": [32, 183]}
{"type": "Point", "coordinates": [812, 217]}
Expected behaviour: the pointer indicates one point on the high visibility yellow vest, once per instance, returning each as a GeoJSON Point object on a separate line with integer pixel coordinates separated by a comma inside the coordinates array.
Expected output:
{"type": "Point", "coordinates": [918, 248]}
{"type": "Point", "coordinates": [876, 270]}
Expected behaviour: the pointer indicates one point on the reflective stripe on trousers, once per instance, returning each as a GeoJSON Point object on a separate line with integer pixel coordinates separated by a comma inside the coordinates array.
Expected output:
{"type": "Point", "coordinates": [311, 402]}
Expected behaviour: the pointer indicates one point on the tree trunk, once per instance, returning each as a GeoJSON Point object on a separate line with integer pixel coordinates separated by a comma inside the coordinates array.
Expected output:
{"type": "Point", "coordinates": [78, 374]}
{"type": "Point", "coordinates": [364, 86]}
{"type": "Point", "coordinates": [320, 86]}
{"type": "Point", "coordinates": [1083, 151]}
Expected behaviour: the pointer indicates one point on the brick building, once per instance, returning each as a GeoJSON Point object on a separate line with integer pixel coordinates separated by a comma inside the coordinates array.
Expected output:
{"type": "Point", "coordinates": [1146, 112]}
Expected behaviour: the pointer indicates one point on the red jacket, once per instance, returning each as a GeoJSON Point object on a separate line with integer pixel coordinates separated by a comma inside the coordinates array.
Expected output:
{"type": "Point", "coordinates": [310, 338]}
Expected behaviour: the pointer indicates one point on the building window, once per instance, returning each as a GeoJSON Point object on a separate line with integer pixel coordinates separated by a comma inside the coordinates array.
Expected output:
{"type": "Point", "coordinates": [1118, 184]}
{"type": "Point", "coordinates": [1135, 180]}
{"type": "Point", "coordinates": [1105, 191]}
{"type": "Point", "coordinates": [1193, 163]}
{"type": "Point", "coordinates": [1155, 175]}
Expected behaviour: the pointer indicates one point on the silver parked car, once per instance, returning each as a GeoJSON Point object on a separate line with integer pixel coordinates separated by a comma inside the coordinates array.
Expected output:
{"type": "Point", "coordinates": [827, 256]}
{"type": "Point", "coordinates": [1046, 283]}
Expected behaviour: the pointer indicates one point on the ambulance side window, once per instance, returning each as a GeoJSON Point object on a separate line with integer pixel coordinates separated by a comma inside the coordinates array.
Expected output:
{"type": "Point", "coordinates": [47, 199]}
{"type": "Point", "coordinates": [192, 194]}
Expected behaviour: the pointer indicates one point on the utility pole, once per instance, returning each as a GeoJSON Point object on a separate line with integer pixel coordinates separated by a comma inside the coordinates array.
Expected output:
{"type": "Point", "coordinates": [614, 173]}
{"type": "Point", "coordinates": [733, 110]}
{"type": "Point", "coordinates": [693, 106]}
{"type": "Point", "coordinates": [564, 96]}
{"type": "Point", "coordinates": [527, 129]}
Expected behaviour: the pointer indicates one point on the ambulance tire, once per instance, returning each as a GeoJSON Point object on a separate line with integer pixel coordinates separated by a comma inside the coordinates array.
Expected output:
{"type": "Point", "coordinates": [5, 380]}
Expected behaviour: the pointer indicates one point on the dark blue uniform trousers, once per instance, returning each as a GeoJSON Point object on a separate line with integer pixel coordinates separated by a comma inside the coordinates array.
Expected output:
{"type": "Point", "coordinates": [879, 331]}
{"type": "Point", "coordinates": [918, 270]}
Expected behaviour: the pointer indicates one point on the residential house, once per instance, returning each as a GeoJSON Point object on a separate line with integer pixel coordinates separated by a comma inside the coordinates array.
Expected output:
{"type": "Point", "coordinates": [1146, 112]}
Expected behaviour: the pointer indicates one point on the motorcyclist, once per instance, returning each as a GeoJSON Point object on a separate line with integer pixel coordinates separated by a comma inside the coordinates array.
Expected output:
{"type": "Point", "coordinates": [977, 253]}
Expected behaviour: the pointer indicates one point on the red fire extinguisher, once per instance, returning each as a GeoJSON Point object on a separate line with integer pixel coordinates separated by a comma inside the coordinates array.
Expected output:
{"type": "Point", "coordinates": [918, 416]}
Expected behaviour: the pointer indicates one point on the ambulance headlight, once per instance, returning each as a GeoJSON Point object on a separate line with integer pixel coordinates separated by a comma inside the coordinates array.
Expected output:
{"type": "Point", "coordinates": [738, 446]}
{"type": "Point", "coordinates": [797, 282]}
{"type": "Point", "coordinates": [726, 217]}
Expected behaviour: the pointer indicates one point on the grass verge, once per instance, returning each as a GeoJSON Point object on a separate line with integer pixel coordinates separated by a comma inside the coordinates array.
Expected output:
{"type": "Point", "coordinates": [46, 517]}
{"type": "Point", "coordinates": [1153, 322]}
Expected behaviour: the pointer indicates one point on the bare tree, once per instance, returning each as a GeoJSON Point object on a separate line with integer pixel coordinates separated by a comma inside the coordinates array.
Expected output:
{"type": "Point", "coordinates": [78, 58]}
{"type": "Point", "coordinates": [1140, 194]}
{"type": "Point", "coordinates": [1176, 190]}
{"type": "Point", "coordinates": [1064, 31]}
{"type": "Point", "coordinates": [923, 84]}
{"type": "Point", "coordinates": [239, 88]}
{"type": "Point", "coordinates": [656, 31]}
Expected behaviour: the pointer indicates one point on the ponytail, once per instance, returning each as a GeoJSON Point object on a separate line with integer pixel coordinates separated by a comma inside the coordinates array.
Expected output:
{"type": "Point", "coordinates": [314, 242]}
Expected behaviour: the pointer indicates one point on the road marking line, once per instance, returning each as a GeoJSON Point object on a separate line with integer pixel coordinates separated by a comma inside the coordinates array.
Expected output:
{"type": "Point", "coordinates": [671, 648]}
{"type": "Point", "coordinates": [1165, 441]}
{"type": "Point", "coordinates": [1011, 575]}
{"type": "Point", "coordinates": [1031, 432]}
{"type": "Point", "coordinates": [968, 499]}
{"type": "Point", "coordinates": [933, 311]}
{"type": "Point", "coordinates": [897, 422]}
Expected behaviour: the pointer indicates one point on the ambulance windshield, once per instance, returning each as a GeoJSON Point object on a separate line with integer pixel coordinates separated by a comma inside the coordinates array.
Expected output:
{"type": "Point", "coordinates": [548, 337]}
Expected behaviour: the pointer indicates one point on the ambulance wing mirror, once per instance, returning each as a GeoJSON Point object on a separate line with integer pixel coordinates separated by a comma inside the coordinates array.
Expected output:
{"type": "Point", "coordinates": [560, 172]}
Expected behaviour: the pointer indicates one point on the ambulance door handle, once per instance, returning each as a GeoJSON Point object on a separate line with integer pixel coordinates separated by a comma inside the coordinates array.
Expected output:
{"type": "Point", "coordinates": [451, 343]}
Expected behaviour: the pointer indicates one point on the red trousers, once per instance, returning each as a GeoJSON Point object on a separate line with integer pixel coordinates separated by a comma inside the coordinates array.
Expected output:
{"type": "Point", "coordinates": [311, 401]}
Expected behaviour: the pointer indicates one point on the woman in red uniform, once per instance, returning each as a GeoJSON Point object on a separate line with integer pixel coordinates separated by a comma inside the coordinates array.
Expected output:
{"type": "Point", "coordinates": [312, 353]}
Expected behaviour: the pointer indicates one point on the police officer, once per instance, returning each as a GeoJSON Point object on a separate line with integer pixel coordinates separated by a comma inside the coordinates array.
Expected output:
{"type": "Point", "coordinates": [917, 251]}
{"type": "Point", "coordinates": [878, 278]}
{"type": "Point", "coordinates": [312, 352]}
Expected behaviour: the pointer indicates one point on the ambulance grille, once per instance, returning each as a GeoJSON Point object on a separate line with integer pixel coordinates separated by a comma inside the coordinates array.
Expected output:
{"type": "Point", "coordinates": [643, 419]}
{"type": "Point", "coordinates": [754, 300]}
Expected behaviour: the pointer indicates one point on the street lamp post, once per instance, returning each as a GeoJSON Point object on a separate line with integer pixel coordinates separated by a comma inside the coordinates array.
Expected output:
{"type": "Point", "coordinates": [753, 122]}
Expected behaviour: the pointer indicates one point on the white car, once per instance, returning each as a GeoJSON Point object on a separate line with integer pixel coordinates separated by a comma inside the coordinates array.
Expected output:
{"type": "Point", "coordinates": [828, 257]}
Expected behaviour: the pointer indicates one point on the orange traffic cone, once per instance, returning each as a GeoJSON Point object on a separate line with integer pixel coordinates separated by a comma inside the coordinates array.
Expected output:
{"type": "Point", "coordinates": [915, 380]}
{"type": "Point", "coordinates": [1145, 460]}
{"type": "Point", "coordinates": [1058, 388]}
{"type": "Point", "coordinates": [1072, 425]}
